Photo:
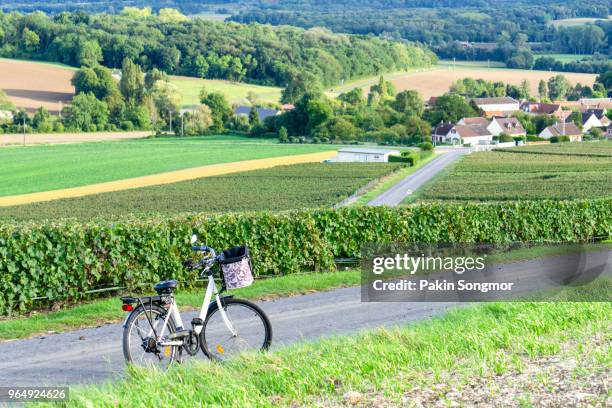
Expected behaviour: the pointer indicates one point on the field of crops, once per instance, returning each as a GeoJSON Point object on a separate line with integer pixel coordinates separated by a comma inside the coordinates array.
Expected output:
{"type": "Point", "coordinates": [50, 167]}
{"type": "Point", "coordinates": [235, 92]}
{"type": "Point", "coordinates": [279, 188]}
{"type": "Point", "coordinates": [540, 172]}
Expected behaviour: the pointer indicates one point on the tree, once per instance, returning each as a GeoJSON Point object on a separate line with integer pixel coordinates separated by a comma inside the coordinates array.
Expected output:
{"type": "Point", "coordinates": [89, 53]}
{"type": "Point", "coordinates": [558, 87]}
{"type": "Point", "coordinates": [408, 102]}
{"type": "Point", "coordinates": [337, 128]}
{"type": "Point", "coordinates": [298, 86]}
{"type": "Point", "coordinates": [449, 108]}
{"type": "Point", "coordinates": [353, 97]}
{"type": "Point", "coordinates": [318, 111]}
{"type": "Point", "coordinates": [132, 82]}
{"type": "Point", "coordinates": [253, 98]}
{"type": "Point", "coordinates": [170, 15]}
{"type": "Point", "coordinates": [605, 79]}
{"type": "Point", "coordinates": [31, 40]}
{"type": "Point", "coordinates": [153, 76]}
{"type": "Point", "coordinates": [138, 115]}
{"type": "Point", "coordinates": [220, 109]}
{"type": "Point", "coordinates": [253, 116]}
{"type": "Point", "coordinates": [198, 122]}
{"type": "Point", "coordinates": [384, 88]}
{"type": "Point", "coordinates": [97, 80]}
{"type": "Point", "coordinates": [166, 99]}
{"type": "Point", "coordinates": [86, 113]}
{"type": "Point", "coordinates": [5, 102]}
{"type": "Point", "coordinates": [42, 120]}
{"type": "Point", "coordinates": [542, 90]}
{"type": "Point", "coordinates": [283, 135]}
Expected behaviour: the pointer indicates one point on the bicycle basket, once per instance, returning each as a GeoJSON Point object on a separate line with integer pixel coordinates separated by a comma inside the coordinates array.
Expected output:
{"type": "Point", "coordinates": [236, 266]}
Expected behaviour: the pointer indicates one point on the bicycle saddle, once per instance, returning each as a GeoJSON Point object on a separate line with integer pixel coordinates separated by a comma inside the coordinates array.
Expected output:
{"type": "Point", "coordinates": [166, 286]}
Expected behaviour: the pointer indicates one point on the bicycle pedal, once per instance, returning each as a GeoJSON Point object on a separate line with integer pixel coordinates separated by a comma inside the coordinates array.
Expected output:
{"type": "Point", "coordinates": [179, 334]}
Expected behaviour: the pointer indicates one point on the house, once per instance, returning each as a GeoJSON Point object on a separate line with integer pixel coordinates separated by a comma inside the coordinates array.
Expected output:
{"type": "Point", "coordinates": [539, 108]}
{"type": "Point", "coordinates": [470, 135]}
{"type": "Point", "coordinates": [441, 132]}
{"type": "Point", "coordinates": [498, 106]}
{"type": "Point", "coordinates": [509, 126]}
{"type": "Point", "coordinates": [476, 120]}
{"type": "Point", "coordinates": [263, 113]}
{"type": "Point", "coordinates": [431, 102]}
{"type": "Point", "coordinates": [600, 114]}
{"type": "Point", "coordinates": [364, 154]}
{"type": "Point", "coordinates": [563, 129]}
{"type": "Point", "coordinates": [596, 103]}
{"type": "Point", "coordinates": [609, 132]}
{"type": "Point", "coordinates": [590, 119]}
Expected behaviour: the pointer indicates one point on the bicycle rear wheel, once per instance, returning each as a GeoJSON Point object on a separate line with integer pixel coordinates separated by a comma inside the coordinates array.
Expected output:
{"type": "Point", "coordinates": [253, 331]}
{"type": "Point", "coordinates": [139, 344]}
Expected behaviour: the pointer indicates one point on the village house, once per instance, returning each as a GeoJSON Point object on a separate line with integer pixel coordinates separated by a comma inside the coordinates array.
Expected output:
{"type": "Point", "coordinates": [441, 132]}
{"type": "Point", "coordinates": [592, 118]}
{"type": "Point", "coordinates": [609, 132]}
{"type": "Point", "coordinates": [595, 103]}
{"type": "Point", "coordinates": [563, 129]}
{"type": "Point", "coordinates": [498, 106]}
{"type": "Point", "coordinates": [476, 120]}
{"type": "Point", "coordinates": [539, 108]}
{"type": "Point", "coordinates": [468, 131]}
{"type": "Point", "coordinates": [509, 126]}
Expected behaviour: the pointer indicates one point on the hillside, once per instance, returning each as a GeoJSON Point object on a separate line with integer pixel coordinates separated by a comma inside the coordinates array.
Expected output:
{"type": "Point", "coordinates": [196, 47]}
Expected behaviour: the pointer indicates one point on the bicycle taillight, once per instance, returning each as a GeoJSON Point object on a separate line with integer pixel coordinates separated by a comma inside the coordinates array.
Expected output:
{"type": "Point", "coordinates": [127, 307]}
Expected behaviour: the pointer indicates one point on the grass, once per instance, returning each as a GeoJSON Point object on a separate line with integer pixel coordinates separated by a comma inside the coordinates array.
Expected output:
{"type": "Point", "coordinates": [569, 22]}
{"type": "Point", "coordinates": [235, 92]}
{"type": "Point", "coordinates": [109, 310]}
{"type": "Point", "coordinates": [476, 342]}
{"type": "Point", "coordinates": [541, 172]}
{"type": "Point", "coordinates": [50, 63]}
{"type": "Point", "coordinates": [279, 188]}
{"type": "Point", "coordinates": [471, 64]}
{"type": "Point", "coordinates": [564, 57]}
{"type": "Point", "coordinates": [389, 181]}
{"type": "Point", "coordinates": [32, 169]}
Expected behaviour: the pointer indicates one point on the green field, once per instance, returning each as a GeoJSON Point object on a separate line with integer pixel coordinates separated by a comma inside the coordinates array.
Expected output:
{"type": "Point", "coordinates": [569, 22]}
{"type": "Point", "coordinates": [567, 171]}
{"type": "Point", "coordinates": [471, 64]}
{"type": "Point", "coordinates": [48, 167]}
{"type": "Point", "coordinates": [564, 57]}
{"type": "Point", "coordinates": [235, 92]}
{"type": "Point", "coordinates": [278, 188]}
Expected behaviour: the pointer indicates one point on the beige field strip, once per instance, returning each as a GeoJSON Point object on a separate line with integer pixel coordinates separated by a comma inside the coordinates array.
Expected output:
{"type": "Point", "coordinates": [165, 178]}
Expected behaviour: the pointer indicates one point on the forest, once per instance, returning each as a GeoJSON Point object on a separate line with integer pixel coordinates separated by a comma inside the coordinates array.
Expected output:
{"type": "Point", "coordinates": [175, 44]}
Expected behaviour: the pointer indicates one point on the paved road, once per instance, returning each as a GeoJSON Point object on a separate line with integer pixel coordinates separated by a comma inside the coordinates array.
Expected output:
{"type": "Point", "coordinates": [396, 194]}
{"type": "Point", "coordinates": [94, 355]}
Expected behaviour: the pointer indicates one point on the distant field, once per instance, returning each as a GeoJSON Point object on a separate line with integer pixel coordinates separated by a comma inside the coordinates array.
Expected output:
{"type": "Point", "coordinates": [277, 188]}
{"type": "Point", "coordinates": [235, 92]}
{"type": "Point", "coordinates": [471, 64]}
{"type": "Point", "coordinates": [31, 85]}
{"type": "Point", "coordinates": [49, 167]}
{"type": "Point", "coordinates": [436, 82]}
{"type": "Point", "coordinates": [561, 172]}
{"type": "Point", "coordinates": [569, 22]}
{"type": "Point", "coordinates": [563, 57]}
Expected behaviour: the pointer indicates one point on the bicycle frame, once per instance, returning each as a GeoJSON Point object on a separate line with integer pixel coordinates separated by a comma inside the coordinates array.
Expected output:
{"type": "Point", "coordinates": [211, 290]}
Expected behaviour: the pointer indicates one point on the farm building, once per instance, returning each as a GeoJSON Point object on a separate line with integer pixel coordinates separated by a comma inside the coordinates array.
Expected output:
{"type": "Point", "coordinates": [363, 154]}
{"type": "Point", "coordinates": [500, 106]}
{"type": "Point", "coordinates": [261, 112]}
{"type": "Point", "coordinates": [563, 129]}
{"type": "Point", "coordinates": [509, 126]}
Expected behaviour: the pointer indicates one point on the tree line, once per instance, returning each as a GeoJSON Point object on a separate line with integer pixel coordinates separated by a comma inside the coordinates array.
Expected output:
{"type": "Point", "coordinates": [174, 44]}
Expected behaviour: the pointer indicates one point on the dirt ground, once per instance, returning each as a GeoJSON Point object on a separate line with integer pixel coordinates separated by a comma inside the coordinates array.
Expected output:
{"type": "Point", "coordinates": [31, 85]}
{"type": "Point", "coordinates": [59, 138]}
{"type": "Point", "coordinates": [436, 82]}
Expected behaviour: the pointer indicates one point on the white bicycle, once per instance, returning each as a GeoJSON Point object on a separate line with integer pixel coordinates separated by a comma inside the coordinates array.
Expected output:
{"type": "Point", "coordinates": [154, 333]}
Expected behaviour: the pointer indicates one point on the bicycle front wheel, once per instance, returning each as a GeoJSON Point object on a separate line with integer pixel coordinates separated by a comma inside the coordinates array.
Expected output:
{"type": "Point", "coordinates": [250, 325]}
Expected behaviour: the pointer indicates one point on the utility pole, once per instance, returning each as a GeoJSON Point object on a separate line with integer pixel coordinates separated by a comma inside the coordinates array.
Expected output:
{"type": "Point", "coordinates": [23, 121]}
{"type": "Point", "coordinates": [170, 121]}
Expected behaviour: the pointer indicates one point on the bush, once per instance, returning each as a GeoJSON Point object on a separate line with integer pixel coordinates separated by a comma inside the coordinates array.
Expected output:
{"type": "Point", "coordinates": [62, 260]}
{"type": "Point", "coordinates": [426, 146]}
{"type": "Point", "coordinates": [559, 139]}
{"type": "Point", "coordinates": [505, 138]}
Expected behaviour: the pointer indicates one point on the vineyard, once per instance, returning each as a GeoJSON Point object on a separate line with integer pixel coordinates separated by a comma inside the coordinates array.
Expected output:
{"type": "Point", "coordinates": [567, 171]}
{"type": "Point", "coordinates": [278, 188]}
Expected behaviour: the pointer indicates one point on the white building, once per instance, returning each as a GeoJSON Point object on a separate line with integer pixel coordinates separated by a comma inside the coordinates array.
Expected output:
{"type": "Point", "coordinates": [499, 106]}
{"type": "Point", "coordinates": [364, 154]}
{"type": "Point", "coordinates": [568, 129]}
{"type": "Point", "coordinates": [509, 126]}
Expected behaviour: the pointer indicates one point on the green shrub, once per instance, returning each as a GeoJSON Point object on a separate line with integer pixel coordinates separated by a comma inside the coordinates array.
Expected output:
{"type": "Point", "coordinates": [400, 159]}
{"type": "Point", "coordinates": [62, 260]}
{"type": "Point", "coordinates": [559, 139]}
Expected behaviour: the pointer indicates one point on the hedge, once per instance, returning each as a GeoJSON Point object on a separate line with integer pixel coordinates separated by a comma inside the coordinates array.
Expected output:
{"type": "Point", "coordinates": [62, 260]}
